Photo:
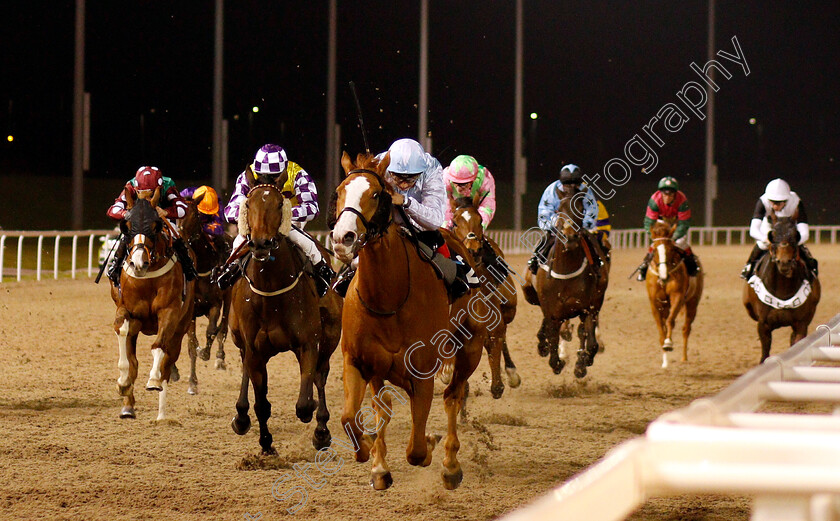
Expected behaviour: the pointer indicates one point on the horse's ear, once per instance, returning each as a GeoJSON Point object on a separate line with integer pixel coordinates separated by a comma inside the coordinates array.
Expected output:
{"type": "Point", "coordinates": [197, 200]}
{"type": "Point", "coordinates": [124, 228]}
{"type": "Point", "coordinates": [382, 167]}
{"type": "Point", "coordinates": [280, 182]}
{"type": "Point", "coordinates": [250, 176]}
{"type": "Point", "coordinates": [773, 218]}
{"type": "Point", "coordinates": [130, 196]}
{"type": "Point", "coordinates": [346, 163]}
{"type": "Point", "coordinates": [453, 204]}
{"type": "Point", "coordinates": [770, 236]}
{"type": "Point", "coordinates": [156, 197]}
{"type": "Point", "coordinates": [673, 228]}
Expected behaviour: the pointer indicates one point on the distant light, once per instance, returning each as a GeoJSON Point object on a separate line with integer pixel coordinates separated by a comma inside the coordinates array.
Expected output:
{"type": "Point", "coordinates": [534, 115]}
{"type": "Point", "coordinates": [236, 117]}
{"type": "Point", "coordinates": [752, 121]}
{"type": "Point", "coordinates": [255, 109]}
{"type": "Point", "coordinates": [10, 138]}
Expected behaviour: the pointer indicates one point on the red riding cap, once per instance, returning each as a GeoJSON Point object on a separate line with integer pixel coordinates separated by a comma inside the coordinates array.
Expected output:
{"type": "Point", "coordinates": [148, 178]}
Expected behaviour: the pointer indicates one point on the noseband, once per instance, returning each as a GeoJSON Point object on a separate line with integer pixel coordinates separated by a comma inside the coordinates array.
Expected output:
{"type": "Point", "coordinates": [373, 229]}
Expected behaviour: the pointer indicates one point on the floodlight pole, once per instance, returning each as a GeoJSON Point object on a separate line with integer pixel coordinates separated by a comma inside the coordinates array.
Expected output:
{"type": "Point", "coordinates": [219, 155]}
{"type": "Point", "coordinates": [79, 116]}
{"type": "Point", "coordinates": [519, 162]}
{"type": "Point", "coordinates": [711, 168]}
{"type": "Point", "coordinates": [423, 106]}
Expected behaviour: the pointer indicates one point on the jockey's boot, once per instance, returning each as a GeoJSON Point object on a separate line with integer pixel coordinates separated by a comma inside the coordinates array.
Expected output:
{"type": "Point", "coordinates": [690, 262]}
{"type": "Point", "coordinates": [115, 268]}
{"type": "Point", "coordinates": [590, 242]}
{"type": "Point", "coordinates": [342, 281]}
{"type": "Point", "coordinates": [749, 267]}
{"type": "Point", "coordinates": [810, 261]}
{"type": "Point", "coordinates": [465, 279]}
{"type": "Point", "coordinates": [323, 275]}
{"type": "Point", "coordinates": [643, 267]}
{"type": "Point", "coordinates": [184, 258]}
{"type": "Point", "coordinates": [540, 253]}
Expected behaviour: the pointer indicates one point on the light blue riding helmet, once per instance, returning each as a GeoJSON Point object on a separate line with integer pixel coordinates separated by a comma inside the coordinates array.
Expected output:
{"type": "Point", "coordinates": [407, 157]}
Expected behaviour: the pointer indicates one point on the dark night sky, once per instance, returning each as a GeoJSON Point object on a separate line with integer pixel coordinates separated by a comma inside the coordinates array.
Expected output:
{"type": "Point", "coordinates": [596, 71]}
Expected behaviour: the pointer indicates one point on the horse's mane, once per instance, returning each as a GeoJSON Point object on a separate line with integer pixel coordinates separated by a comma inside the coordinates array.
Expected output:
{"type": "Point", "coordinates": [784, 230]}
{"type": "Point", "coordinates": [464, 202]}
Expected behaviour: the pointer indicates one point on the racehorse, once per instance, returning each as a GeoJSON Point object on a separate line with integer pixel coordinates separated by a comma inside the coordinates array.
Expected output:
{"type": "Point", "coordinates": [670, 288]}
{"type": "Point", "coordinates": [210, 301]}
{"type": "Point", "coordinates": [394, 306]}
{"type": "Point", "coordinates": [276, 308]}
{"type": "Point", "coordinates": [488, 262]}
{"type": "Point", "coordinates": [780, 293]}
{"type": "Point", "coordinates": [569, 286]}
{"type": "Point", "coordinates": [153, 298]}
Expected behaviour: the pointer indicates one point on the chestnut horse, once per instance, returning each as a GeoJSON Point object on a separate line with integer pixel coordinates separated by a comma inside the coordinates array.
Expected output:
{"type": "Point", "coordinates": [670, 289]}
{"type": "Point", "coordinates": [210, 301]}
{"type": "Point", "coordinates": [153, 298]}
{"type": "Point", "coordinates": [780, 293]}
{"type": "Point", "coordinates": [488, 261]}
{"type": "Point", "coordinates": [276, 308]}
{"type": "Point", "coordinates": [394, 307]}
{"type": "Point", "coordinates": [569, 286]}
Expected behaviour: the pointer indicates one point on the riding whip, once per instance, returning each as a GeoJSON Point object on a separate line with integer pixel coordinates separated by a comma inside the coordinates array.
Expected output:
{"type": "Point", "coordinates": [105, 262]}
{"type": "Point", "coordinates": [359, 113]}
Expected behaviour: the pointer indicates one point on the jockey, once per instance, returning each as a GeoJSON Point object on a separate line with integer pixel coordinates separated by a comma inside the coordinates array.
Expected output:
{"type": "Point", "coordinates": [464, 177]}
{"type": "Point", "coordinates": [668, 202]}
{"type": "Point", "coordinates": [417, 180]}
{"type": "Point", "coordinates": [209, 213]}
{"type": "Point", "coordinates": [271, 162]}
{"type": "Point", "coordinates": [571, 178]}
{"type": "Point", "coordinates": [778, 200]}
{"type": "Point", "coordinates": [171, 206]}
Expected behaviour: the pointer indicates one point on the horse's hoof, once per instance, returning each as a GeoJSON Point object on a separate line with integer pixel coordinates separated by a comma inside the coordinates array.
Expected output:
{"type": "Point", "coordinates": [204, 354]}
{"type": "Point", "coordinates": [381, 481]}
{"type": "Point", "coordinates": [154, 385]}
{"type": "Point", "coordinates": [305, 414]}
{"type": "Point", "coordinates": [667, 348]}
{"type": "Point", "coordinates": [174, 374]}
{"type": "Point", "coordinates": [513, 377]}
{"type": "Point", "coordinates": [241, 428]}
{"type": "Point", "coordinates": [580, 371]}
{"type": "Point", "coordinates": [453, 479]}
{"type": "Point", "coordinates": [542, 350]}
{"type": "Point", "coordinates": [497, 390]}
{"type": "Point", "coordinates": [558, 365]}
{"type": "Point", "coordinates": [601, 348]}
{"type": "Point", "coordinates": [321, 439]}
{"type": "Point", "coordinates": [128, 412]}
{"type": "Point", "coordinates": [192, 389]}
{"type": "Point", "coordinates": [269, 451]}
{"type": "Point", "coordinates": [220, 364]}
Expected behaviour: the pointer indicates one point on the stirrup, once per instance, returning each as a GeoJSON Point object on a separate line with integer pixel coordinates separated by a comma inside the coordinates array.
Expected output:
{"type": "Point", "coordinates": [227, 275]}
{"type": "Point", "coordinates": [342, 282]}
{"type": "Point", "coordinates": [533, 265]}
{"type": "Point", "coordinates": [745, 273]}
{"type": "Point", "coordinates": [642, 273]}
{"type": "Point", "coordinates": [114, 273]}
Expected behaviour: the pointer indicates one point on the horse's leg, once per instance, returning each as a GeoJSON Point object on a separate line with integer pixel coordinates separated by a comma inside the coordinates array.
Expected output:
{"type": "Point", "coordinates": [465, 363]}
{"type": "Point", "coordinates": [566, 330]}
{"type": "Point", "coordinates": [583, 355]}
{"type": "Point", "coordinates": [799, 330]}
{"type": "Point", "coordinates": [690, 313]}
{"type": "Point", "coordinates": [172, 338]}
{"type": "Point", "coordinates": [765, 334]}
{"type": "Point", "coordinates": [493, 345]}
{"type": "Point", "coordinates": [222, 334]}
{"type": "Point", "coordinates": [213, 316]}
{"type": "Point", "coordinates": [542, 345]}
{"type": "Point", "coordinates": [677, 300]}
{"type": "Point", "coordinates": [420, 446]}
{"type": "Point", "coordinates": [354, 393]}
{"type": "Point", "coordinates": [660, 325]}
{"type": "Point", "coordinates": [127, 331]}
{"type": "Point", "coordinates": [321, 438]}
{"type": "Point", "coordinates": [262, 407]}
{"type": "Point", "coordinates": [380, 474]}
{"type": "Point", "coordinates": [510, 368]}
{"type": "Point", "coordinates": [307, 355]}
{"type": "Point", "coordinates": [598, 339]}
{"type": "Point", "coordinates": [552, 333]}
{"type": "Point", "coordinates": [242, 422]}
{"type": "Point", "coordinates": [192, 344]}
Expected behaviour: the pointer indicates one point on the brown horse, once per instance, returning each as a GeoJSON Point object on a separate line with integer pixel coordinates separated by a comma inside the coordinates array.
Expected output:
{"type": "Point", "coordinates": [569, 286]}
{"type": "Point", "coordinates": [488, 261]}
{"type": "Point", "coordinates": [210, 301]}
{"type": "Point", "coordinates": [153, 298]}
{"type": "Point", "coordinates": [276, 308]}
{"type": "Point", "coordinates": [780, 293]}
{"type": "Point", "coordinates": [670, 289]}
{"type": "Point", "coordinates": [395, 306]}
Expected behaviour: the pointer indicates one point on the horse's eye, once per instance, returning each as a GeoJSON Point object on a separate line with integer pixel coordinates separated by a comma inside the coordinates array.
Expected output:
{"type": "Point", "coordinates": [375, 195]}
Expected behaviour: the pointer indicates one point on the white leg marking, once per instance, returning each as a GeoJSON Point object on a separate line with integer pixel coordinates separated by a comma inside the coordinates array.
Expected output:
{"type": "Point", "coordinates": [162, 402]}
{"type": "Point", "coordinates": [562, 349]}
{"type": "Point", "coordinates": [664, 360]}
{"type": "Point", "coordinates": [122, 365]}
{"type": "Point", "coordinates": [154, 374]}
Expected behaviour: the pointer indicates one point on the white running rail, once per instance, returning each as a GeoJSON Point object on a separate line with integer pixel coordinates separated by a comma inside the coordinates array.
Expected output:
{"type": "Point", "coordinates": [789, 463]}
{"type": "Point", "coordinates": [512, 242]}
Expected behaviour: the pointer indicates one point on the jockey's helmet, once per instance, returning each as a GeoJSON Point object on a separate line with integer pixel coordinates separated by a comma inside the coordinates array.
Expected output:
{"type": "Point", "coordinates": [571, 174]}
{"type": "Point", "coordinates": [407, 158]}
{"type": "Point", "coordinates": [777, 190]}
{"type": "Point", "coordinates": [270, 161]}
{"type": "Point", "coordinates": [209, 203]}
{"type": "Point", "coordinates": [463, 169]}
{"type": "Point", "coordinates": [148, 178]}
{"type": "Point", "coordinates": [668, 183]}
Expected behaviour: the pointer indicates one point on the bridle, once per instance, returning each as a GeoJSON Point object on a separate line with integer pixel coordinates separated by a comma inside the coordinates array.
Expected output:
{"type": "Point", "coordinates": [664, 262]}
{"type": "Point", "coordinates": [373, 229]}
{"type": "Point", "coordinates": [273, 243]}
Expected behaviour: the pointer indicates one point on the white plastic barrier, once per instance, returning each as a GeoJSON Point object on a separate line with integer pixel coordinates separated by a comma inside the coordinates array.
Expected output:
{"type": "Point", "coordinates": [74, 236]}
{"type": "Point", "coordinates": [789, 463]}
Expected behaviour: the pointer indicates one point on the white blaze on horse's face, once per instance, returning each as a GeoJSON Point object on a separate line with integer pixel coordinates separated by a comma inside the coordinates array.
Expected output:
{"type": "Point", "coordinates": [346, 233]}
{"type": "Point", "coordinates": [139, 259]}
{"type": "Point", "coordinates": [663, 262]}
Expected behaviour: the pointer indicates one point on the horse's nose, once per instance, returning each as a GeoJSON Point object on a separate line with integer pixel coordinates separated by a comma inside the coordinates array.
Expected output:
{"type": "Point", "coordinates": [348, 239]}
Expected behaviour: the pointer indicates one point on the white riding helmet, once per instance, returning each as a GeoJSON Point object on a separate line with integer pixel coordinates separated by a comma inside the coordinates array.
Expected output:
{"type": "Point", "coordinates": [777, 190]}
{"type": "Point", "coordinates": [407, 157]}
